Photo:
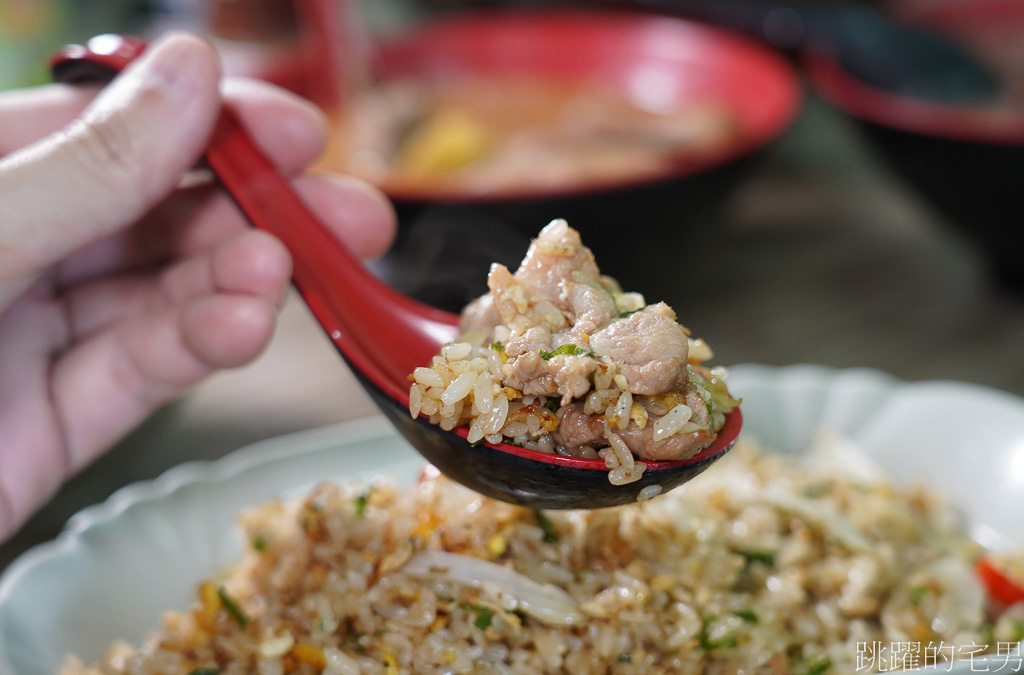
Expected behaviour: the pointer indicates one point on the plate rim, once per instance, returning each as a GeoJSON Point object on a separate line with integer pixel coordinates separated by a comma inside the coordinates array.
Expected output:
{"type": "Point", "coordinates": [176, 478]}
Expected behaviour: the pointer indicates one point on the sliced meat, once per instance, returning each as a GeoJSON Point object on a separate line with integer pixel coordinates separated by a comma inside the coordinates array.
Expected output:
{"type": "Point", "coordinates": [525, 370]}
{"type": "Point", "coordinates": [530, 342]}
{"type": "Point", "coordinates": [557, 285]}
{"type": "Point", "coordinates": [515, 309]}
{"type": "Point", "coordinates": [591, 305]}
{"type": "Point", "coordinates": [577, 430]}
{"type": "Point", "coordinates": [678, 446]}
{"type": "Point", "coordinates": [572, 375]}
{"type": "Point", "coordinates": [567, 376]}
{"type": "Point", "coordinates": [649, 347]}
{"type": "Point", "coordinates": [554, 257]}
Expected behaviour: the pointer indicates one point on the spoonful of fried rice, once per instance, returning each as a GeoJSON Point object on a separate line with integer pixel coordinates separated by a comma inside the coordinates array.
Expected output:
{"type": "Point", "coordinates": [557, 391]}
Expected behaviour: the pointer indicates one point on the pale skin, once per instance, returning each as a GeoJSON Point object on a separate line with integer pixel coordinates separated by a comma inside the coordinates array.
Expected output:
{"type": "Point", "coordinates": [119, 289]}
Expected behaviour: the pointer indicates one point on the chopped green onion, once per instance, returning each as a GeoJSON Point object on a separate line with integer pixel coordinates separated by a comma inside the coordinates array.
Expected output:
{"type": "Point", "coordinates": [483, 618]}
{"type": "Point", "coordinates": [354, 638]}
{"type": "Point", "coordinates": [550, 532]}
{"type": "Point", "coordinates": [623, 315]}
{"type": "Point", "coordinates": [626, 657]}
{"type": "Point", "coordinates": [551, 404]}
{"type": "Point", "coordinates": [764, 557]}
{"type": "Point", "coordinates": [566, 350]}
{"type": "Point", "coordinates": [484, 615]}
{"type": "Point", "coordinates": [917, 594]}
{"type": "Point", "coordinates": [232, 607]}
{"type": "Point", "coordinates": [519, 613]}
{"type": "Point", "coordinates": [747, 615]}
{"type": "Point", "coordinates": [259, 543]}
{"type": "Point", "coordinates": [204, 671]}
{"type": "Point", "coordinates": [728, 642]}
{"type": "Point", "coordinates": [819, 667]}
{"type": "Point", "coordinates": [361, 502]}
{"type": "Point", "coordinates": [498, 347]}
{"type": "Point", "coordinates": [707, 644]}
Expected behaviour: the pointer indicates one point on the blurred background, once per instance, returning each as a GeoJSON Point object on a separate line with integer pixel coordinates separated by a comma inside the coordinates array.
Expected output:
{"type": "Point", "coordinates": [873, 221]}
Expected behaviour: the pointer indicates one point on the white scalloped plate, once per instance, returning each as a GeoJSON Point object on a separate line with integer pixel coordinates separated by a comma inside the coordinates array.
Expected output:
{"type": "Point", "coordinates": [119, 565]}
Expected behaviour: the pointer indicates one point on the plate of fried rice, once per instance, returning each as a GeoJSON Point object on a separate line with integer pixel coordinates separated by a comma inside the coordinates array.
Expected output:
{"type": "Point", "coordinates": [861, 524]}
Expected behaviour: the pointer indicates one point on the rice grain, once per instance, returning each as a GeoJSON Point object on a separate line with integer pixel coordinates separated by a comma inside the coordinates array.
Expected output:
{"type": "Point", "coordinates": [672, 422]}
{"type": "Point", "coordinates": [459, 388]}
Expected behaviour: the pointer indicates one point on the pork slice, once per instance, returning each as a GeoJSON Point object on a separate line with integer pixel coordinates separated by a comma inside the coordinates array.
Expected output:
{"type": "Point", "coordinates": [516, 309]}
{"type": "Point", "coordinates": [649, 347]}
{"type": "Point", "coordinates": [592, 307]}
{"type": "Point", "coordinates": [525, 369]}
{"type": "Point", "coordinates": [572, 375]}
{"type": "Point", "coordinates": [530, 342]}
{"type": "Point", "coordinates": [528, 371]}
{"type": "Point", "coordinates": [678, 446]}
{"type": "Point", "coordinates": [551, 261]}
{"type": "Point", "coordinates": [577, 430]}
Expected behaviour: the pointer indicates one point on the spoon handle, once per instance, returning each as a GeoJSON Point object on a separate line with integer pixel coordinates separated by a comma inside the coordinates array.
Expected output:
{"type": "Point", "coordinates": [339, 289]}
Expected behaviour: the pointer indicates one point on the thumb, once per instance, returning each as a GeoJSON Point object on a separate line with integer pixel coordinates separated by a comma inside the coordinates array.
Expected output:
{"type": "Point", "coordinates": [126, 152]}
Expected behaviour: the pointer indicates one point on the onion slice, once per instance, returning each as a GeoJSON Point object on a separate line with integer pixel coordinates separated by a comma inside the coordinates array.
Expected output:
{"type": "Point", "coordinates": [544, 602]}
{"type": "Point", "coordinates": [827, 519]}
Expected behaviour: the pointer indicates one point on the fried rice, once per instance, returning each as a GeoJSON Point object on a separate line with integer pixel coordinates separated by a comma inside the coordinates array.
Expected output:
{"type": "Point", "coordinates": [766, 564]}
{"type": "Point", "coordinates": [558, 358]}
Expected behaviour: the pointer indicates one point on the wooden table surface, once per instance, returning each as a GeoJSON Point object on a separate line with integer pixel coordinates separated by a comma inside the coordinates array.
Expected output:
{"type": "Point", "coordinates": [822, 256]}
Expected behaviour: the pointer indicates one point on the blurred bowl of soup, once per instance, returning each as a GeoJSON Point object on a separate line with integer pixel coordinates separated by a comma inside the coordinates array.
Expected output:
{"type": "Point", "coordinates": [621, 122]}
{"type": "Point", "coordinates": [966, 159]}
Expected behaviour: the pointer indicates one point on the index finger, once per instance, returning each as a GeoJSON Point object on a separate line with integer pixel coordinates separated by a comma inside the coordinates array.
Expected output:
{"type": "Point", "coordinates": [291, 130]}
{"type": "Point", "coordinates": [28, 115]}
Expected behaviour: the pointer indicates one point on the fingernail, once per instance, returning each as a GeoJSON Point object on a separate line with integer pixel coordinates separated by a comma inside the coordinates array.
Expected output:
{"type": "Point", "coordinates": [178, 61]}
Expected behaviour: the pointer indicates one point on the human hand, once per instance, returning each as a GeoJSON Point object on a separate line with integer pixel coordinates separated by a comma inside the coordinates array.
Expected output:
{"type": "Point", "coordinates": [118, 289]}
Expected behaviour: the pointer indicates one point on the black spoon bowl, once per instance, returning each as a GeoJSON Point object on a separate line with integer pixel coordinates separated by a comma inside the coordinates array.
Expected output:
{"type": "Point", "coordinates": [384, 335]}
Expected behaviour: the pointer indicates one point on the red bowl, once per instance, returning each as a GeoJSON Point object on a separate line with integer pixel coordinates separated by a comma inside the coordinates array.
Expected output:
{"type": "Point", "coordinates": [966, 160]}
{"type": "Point", "coordinates": [447, 240]}
{"type": "Point", "coordinates": [637, 55]}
